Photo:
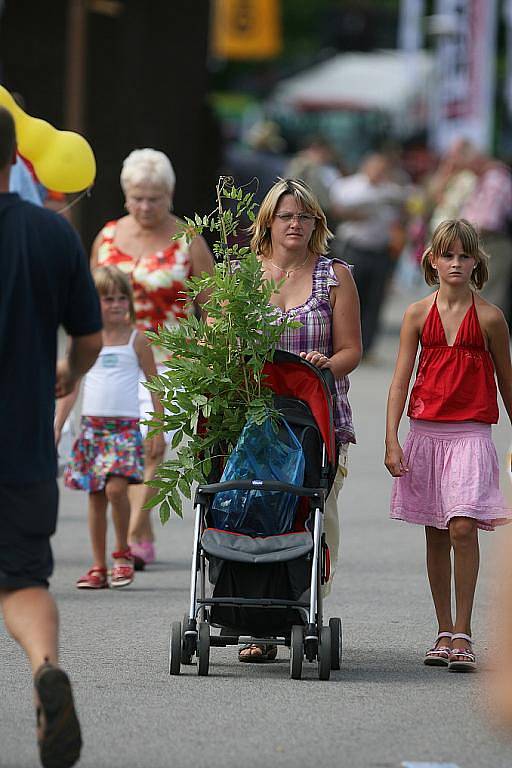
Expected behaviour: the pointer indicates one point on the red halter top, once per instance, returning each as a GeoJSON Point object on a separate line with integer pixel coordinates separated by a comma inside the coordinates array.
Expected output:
{"type": "Point", "coordinates": [454, 383]}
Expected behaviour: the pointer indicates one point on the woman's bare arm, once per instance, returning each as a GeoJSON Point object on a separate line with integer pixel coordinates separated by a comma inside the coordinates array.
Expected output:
{"type": "Point", "coordinates": [496, 328]}
{"type": "Point", "coordinates": [346, 328]}
{"type": "Point", "coordinates": [201, 261]}
{"type": "Point", "coordinates": [94, 250]}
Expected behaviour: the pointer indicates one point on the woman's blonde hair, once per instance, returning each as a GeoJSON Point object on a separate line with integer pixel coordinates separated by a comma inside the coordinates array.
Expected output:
{"type": "Point", "coordinates": [109, 278]}
{"type": "Point", "coordinates": [442, 240]}
{"type": "Point", "coordinates": [261, 241]}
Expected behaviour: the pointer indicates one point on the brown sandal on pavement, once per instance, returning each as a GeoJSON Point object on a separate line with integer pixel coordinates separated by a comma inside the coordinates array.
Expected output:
{"type": "Point", "coordinates": [438, 655]}
{"type": "Point", "coordinates": [122, 574]}
{"type": "Point", "coordinates": [58, 728]}
{"type": "Point", "coordinates": [95, 578]}
{"type": "Point", "coordinates": [462, 659]}
{"type": "Point", "coordinates": [256, 653]}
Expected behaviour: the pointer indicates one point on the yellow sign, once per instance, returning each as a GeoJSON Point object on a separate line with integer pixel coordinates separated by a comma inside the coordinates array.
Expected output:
{"type": "Point", "coordinates": [246, 29]}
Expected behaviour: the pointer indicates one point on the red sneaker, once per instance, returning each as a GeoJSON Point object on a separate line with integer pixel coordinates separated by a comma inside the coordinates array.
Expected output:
{"type": "Point", "coordinates": [122, 574]}
{"type": "Point", "coordinates": [95, 578]}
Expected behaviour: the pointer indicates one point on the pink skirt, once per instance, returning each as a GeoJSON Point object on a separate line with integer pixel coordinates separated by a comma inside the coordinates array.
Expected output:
{"type": "Point", "coordinates": [453, 472]}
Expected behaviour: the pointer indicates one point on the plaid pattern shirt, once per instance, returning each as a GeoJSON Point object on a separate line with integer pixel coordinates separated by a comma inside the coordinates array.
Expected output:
{"type": "Point", "coordinates": [316, 333]}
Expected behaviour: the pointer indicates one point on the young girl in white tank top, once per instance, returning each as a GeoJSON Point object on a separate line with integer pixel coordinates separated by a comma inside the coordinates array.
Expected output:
{"type": "Point", "coordinates": [108, 454]}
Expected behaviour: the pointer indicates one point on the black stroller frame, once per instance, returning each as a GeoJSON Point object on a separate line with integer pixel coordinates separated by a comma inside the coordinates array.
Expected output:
{"type": "Point", "coordinates": [311, 639]}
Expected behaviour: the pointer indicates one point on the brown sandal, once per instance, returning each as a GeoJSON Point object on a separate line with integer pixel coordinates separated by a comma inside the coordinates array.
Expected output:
{"type": "Point", "coordinates": [263, 653]}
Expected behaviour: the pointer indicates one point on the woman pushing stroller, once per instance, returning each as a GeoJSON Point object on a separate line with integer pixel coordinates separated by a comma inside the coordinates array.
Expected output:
{"type": "Point", "coordinates": [291, 237]}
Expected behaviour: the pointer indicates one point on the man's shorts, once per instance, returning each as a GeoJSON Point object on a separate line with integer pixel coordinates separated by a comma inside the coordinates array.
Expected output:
{"type": "Point", "coordinates": [28, 517]}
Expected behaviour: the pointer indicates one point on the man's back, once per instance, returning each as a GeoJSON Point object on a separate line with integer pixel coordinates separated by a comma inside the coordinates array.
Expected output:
{"type": "Point", "coordinates": [44, 283]}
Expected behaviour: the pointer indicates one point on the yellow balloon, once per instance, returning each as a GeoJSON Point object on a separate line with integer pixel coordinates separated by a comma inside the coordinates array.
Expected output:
{"type": "Point", "coordinates": [62, 160]}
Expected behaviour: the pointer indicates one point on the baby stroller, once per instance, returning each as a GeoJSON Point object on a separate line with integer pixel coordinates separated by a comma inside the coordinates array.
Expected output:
{"type": "Point", "coordinates": [267, 589]}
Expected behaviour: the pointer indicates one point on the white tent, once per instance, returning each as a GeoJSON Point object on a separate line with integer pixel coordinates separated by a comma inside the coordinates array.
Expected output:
{"type": "Point", "coordinates": [390, 81]}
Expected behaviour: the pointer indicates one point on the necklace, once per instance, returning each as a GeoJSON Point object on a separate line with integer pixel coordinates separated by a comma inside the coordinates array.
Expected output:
{"type": "Point", "coordinates": [288, 272]}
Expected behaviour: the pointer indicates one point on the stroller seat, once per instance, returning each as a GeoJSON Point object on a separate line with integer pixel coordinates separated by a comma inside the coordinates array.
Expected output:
{"type": "Point", "coordinates": [241, 548]}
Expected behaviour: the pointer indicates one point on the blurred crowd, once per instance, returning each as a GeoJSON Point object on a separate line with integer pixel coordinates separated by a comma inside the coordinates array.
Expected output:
{"type": "Point", "coordinates": [383, 214]}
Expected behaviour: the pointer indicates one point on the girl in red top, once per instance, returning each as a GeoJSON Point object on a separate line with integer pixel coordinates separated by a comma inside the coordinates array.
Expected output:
{"type": "Point", "coordinates": [447, 476]}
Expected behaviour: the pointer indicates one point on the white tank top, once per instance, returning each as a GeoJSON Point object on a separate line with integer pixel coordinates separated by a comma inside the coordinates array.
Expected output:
{"type": "Point", "coordinates": [111, 385]}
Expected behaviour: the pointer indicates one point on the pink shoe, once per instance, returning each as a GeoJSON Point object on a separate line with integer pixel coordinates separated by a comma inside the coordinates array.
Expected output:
{"type": "Point", "coordinates": [143, 550]}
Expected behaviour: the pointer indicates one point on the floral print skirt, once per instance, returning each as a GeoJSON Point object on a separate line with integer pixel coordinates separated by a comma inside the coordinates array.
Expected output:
{"type": "Point", "coordinates": [106, 446]}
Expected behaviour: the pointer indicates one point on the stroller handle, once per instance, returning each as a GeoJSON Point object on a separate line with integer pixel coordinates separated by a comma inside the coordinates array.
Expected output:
{"type": "Point", "coordinates": [261, 485]}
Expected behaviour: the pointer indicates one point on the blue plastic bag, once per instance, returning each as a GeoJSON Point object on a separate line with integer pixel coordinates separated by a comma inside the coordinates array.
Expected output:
{"type": "Point", "coordinates": [260, 454]}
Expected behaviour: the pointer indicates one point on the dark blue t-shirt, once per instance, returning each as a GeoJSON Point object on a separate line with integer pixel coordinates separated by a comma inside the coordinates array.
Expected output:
{"type": "Point", "coordinates": [45, 282]}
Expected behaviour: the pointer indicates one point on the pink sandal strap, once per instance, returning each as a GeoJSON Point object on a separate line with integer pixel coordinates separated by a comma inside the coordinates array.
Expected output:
{"type": "Point", "coordinates": [462, 636]}
{"type": "Point", "coordinates": [463, 652]}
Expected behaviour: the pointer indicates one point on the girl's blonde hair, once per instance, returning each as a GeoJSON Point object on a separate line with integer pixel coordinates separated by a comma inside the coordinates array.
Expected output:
{"type": "Point", "coordinates": [442, 240]}
{"type": "Point", "coordinates": [109, 278]}
{"type": "Point", "coordinates": [259, 230]}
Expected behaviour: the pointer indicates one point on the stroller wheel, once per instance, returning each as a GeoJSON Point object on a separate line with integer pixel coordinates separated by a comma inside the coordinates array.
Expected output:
{"type": "Point", "coordinates": [175, 649]}
{"type": "Point", "coordinates": [296, 652]}
{"type": "Point", "coordinates": [187, 643]}
{"type": "Point", "coordinates": [324, 654]}
{"type": "Point", "coordinates": [203, 648]}
{"type": "Point", "coordinates": [336, 642]}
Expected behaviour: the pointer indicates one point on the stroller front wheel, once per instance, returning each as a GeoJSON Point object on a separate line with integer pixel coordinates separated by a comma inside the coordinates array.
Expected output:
{"type": "Point", "coordinates": [336, 642]}
{"type": "Point", "coordinates": [296, 652]}
{"type": "Point", "coordinates": [324, 654]}
{"type": "Point", "coordinates": [203, 649]}
{"type": "Point", "coordinates": [175, 649]}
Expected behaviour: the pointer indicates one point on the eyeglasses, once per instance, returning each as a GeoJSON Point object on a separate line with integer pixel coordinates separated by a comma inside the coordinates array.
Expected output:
{"type": "Point", "coordinates": [302, 218]}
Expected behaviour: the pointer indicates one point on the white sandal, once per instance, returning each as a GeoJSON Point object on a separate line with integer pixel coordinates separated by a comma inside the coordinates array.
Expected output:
{"type": "Point", "coordinates": [438, 656]}
{"type": "Point", "coordinates": [461, 659]}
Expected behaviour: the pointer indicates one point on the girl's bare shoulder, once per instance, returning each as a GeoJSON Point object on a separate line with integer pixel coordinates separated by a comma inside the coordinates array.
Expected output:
{"type": "Point", "coordinates": [489, 314]}
{"type": "Point", "coordinates": [417, 312]}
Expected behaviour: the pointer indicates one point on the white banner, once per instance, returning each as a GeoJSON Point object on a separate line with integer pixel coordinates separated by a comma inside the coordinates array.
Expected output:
{"type": "Point", "coordinates": [410, 25]}
{"type": "Point", "coordinates": [466, 63]}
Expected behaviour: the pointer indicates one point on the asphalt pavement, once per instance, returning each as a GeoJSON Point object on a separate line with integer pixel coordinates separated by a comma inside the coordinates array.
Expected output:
{"type": "Point", "coordinates": [382, 709]}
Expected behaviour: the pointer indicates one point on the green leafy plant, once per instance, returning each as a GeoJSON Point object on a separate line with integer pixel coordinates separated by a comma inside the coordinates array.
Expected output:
{"type": "Point", "coordinates": [214, 380]}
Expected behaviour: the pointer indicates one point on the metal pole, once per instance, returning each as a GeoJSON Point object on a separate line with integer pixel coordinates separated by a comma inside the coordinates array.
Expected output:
{"type": "Point", "coordinates": [76, 58]}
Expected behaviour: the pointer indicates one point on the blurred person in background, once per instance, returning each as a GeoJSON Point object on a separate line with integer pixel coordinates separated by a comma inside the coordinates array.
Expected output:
{"type": "Point", "coordinates": [489, 209]}
{"type": "Point", "coordinates": [369, 208]}
{"type": "Point", "coordinates": [318, 166]}
{"type": "Point", "coordinates": [23, 184]}
{"type": "Point", "coordinates": [140, 244]}
{"type": "Point", "coordinates": [451, 184]}
{"type": "Point", "coordinates": [260, 159]}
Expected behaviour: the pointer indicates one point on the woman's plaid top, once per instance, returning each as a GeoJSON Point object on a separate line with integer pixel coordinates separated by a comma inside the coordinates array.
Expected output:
{"type": "Point", "coordinates": [316, 333]}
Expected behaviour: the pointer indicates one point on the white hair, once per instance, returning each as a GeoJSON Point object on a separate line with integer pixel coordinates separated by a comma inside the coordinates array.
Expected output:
{"type": "Point", "coordinates": [148, 165]}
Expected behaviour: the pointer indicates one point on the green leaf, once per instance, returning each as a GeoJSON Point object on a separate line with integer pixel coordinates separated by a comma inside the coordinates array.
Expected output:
{"type": "Point", "coordinates": [165, 512]}
{"type": "Point", "coordinates": [177, 438]}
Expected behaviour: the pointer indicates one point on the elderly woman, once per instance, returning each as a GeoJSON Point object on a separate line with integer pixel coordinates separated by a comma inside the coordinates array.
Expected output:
{"type": "Point", "coordinates": [141, 245]}
{"type": "Point", "coordinates": [291, 236]}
